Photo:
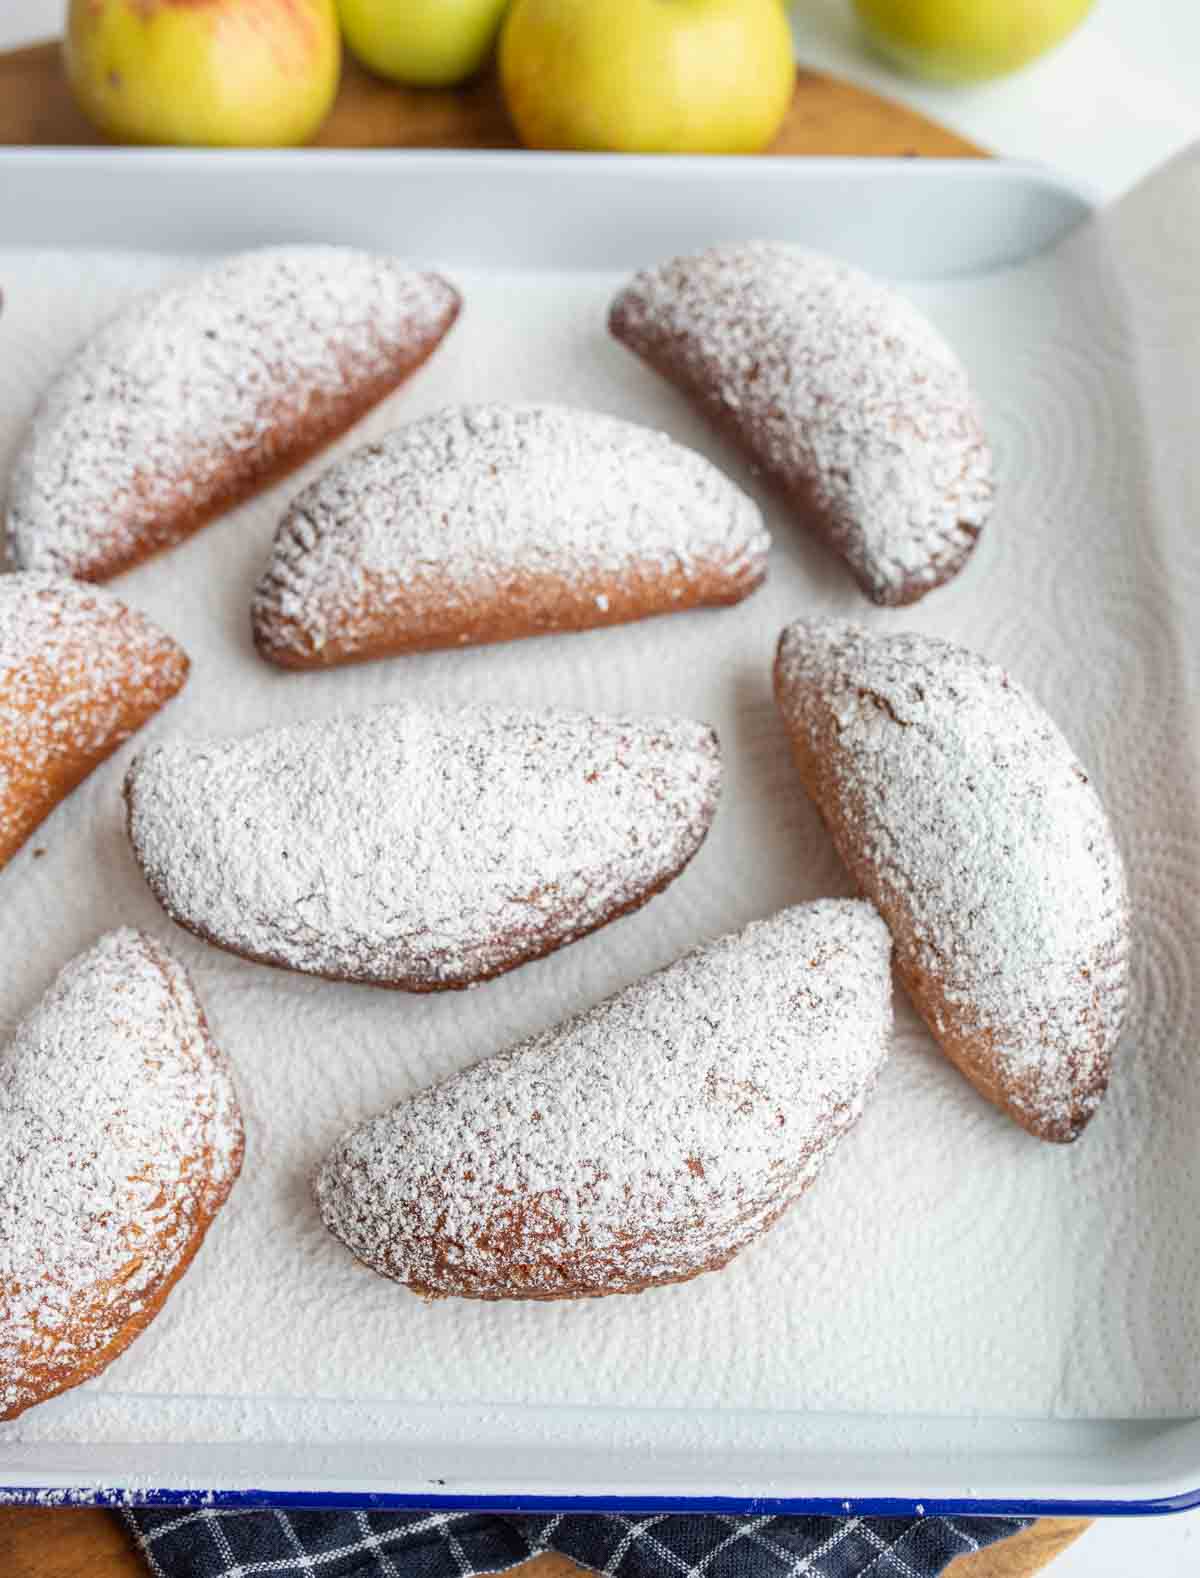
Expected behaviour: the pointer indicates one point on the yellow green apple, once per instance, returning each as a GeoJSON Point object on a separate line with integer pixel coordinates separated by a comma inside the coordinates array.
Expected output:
{"type": "Point", "coordinates": [968, 40]}
{"type": "Point", "coordinates": [429, 43]}
{"type": "Point", "coordinates": [249, 73]}
{"type": "Point", "coordinates": [647, 76]}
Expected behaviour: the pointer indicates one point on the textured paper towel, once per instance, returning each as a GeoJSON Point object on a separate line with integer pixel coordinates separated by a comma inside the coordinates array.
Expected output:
{"type": "Point", "coordinates": [945, 1262]}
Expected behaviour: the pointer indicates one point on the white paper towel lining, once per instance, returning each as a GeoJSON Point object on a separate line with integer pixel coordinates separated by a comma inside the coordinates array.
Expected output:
{"type": "Point", "coordinates": [945, 1262]}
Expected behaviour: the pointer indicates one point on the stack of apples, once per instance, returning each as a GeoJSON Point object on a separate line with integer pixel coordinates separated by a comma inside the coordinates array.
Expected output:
{"type": "Point", "coordinates": [680, 76]}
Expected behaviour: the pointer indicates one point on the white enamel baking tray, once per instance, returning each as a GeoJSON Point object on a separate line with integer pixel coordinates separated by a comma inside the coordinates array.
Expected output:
{"type": "Point", "coordinates": [898, 218]}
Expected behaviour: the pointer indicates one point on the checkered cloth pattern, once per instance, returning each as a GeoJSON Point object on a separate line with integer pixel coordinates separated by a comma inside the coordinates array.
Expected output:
{"type": "Point", "coordinates": [208, 1544]}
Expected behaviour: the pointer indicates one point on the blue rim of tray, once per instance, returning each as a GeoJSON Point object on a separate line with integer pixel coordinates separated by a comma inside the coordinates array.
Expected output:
{"type": "Point", "coordinates": [791, 1506]}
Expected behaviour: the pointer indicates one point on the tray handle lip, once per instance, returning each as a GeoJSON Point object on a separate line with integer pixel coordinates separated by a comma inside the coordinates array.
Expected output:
{"type": "Point", "coordinates": [525, 159]}
{"type": "Point", "coordinates": [1060, 202]}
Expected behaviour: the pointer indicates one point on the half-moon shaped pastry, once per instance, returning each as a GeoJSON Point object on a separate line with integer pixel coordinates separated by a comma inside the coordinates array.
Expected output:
{"type": "Point", "coordinates": [417, 848]}
{"type": "Point", "coordinates": [851, 402]}
{"type": "Point", "coordinates": [487, 523]}
{"type": "Point", "coordinates": [79, 673]}
{"type": "Point", "coordinates": [120, 1138]}
{"type": "Point", "coordinates": [963, 814]}
{"type": "Point", "coordinates": [195, 397]}
{"type": "Point", "coordinates": [645, 1141]}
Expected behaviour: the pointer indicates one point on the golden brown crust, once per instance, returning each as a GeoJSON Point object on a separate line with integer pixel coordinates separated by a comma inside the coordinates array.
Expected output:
{"type": "Point", "coordinates": [516, 951]}
{"type": "Point", "coordinates": [484, 523]}
{"type": "Point", "coordinates": [425, 983]}
{"type": "Point", "coordinates": [968, 1046]}
{"type": "Point", "coordinates": [47, 1378]}
{"type": "Point", "coordinates": [296, 438]}
{"type": "Point", "coordinates": [79, 1212]}
{"type": "Point", "coordinates": [199, 395]}
{"type": "Point", "coordinates": [417, 847]}
{"type": "Point", "coordinates": [597, 1282]}
{"type": "Point", "coordinates": [79, 674]}
{"type": "Point", "coordinates": [641, 1143]}
{"type": "Point", "coordinates": [853, 407]}
{"type": "Point", "coordinates": [669, 360]}
{"type": "Point", "coordinates": [1037, 1045]}
{"type": "Point", "coordinates": [441, 616]}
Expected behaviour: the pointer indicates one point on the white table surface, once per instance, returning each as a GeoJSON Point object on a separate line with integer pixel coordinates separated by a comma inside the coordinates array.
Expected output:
{"type": "Point", "coordinates": [1120, 97]}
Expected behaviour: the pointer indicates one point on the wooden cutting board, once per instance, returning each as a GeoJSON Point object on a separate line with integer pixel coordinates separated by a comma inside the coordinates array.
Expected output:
{"type": "Point", "coordinates": [827, 117]}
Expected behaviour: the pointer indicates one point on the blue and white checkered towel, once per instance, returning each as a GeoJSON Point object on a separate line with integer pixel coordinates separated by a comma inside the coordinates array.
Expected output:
{"type": "Point", "coordinates": [208, 1544]}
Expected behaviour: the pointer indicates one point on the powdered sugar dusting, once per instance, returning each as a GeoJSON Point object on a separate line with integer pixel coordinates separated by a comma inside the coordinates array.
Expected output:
{"type": "Point", "coordinates": [434, 521]}
{"type": "Point", "coordinates": [416, 847]}
{"type": "Point", "coordinates": [79, 673]}
{"type": "Point", "coordinates": [119, 1136]}
{"type": "Point", "coordinates": [643, 1141]}
{"type": "Point", "coordinates": [967, 816]}
{"type": "Point", "coordinates": [844, 393]}
{"type": "Point", "coordinates": [202, 381]}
